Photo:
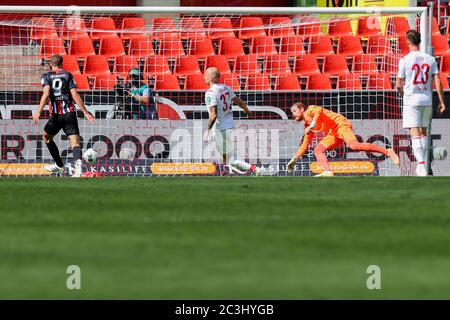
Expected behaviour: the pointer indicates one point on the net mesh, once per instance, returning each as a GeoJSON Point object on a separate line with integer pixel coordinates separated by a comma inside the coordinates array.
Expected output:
{"type": "Point", "coordinates": [345, 63]}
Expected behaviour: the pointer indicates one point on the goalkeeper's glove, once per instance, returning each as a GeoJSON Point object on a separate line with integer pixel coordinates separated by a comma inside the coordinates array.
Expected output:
{"type": "Point", "coordinates": [291, 164]}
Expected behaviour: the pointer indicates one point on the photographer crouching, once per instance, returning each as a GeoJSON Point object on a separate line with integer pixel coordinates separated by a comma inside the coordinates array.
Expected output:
{"type": "Point", "coordinates": [142, 103]}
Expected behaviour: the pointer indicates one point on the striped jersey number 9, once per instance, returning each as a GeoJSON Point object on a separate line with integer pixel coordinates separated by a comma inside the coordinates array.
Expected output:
{"type": "Point", "coordinates": [417, 68]}
{"type": "Point", "coordinates": [56, 86]}
{"type": "Point", "coordinates": [225, 97]}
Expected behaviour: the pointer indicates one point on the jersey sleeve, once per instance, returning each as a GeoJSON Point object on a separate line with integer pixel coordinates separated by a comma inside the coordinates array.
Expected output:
{"type": "Point", "coordinates": [401, 69]}
{"type": "Point", "coordinates": [44, 80]}
{"type": "Point", "coordinates": [210, 99]}
{"type": "Point", "coordinates": [434, 67]}
{"type": "Point", "coordinates": [304, 146]}
{"type": "Point", "coordinates": [72, 83]}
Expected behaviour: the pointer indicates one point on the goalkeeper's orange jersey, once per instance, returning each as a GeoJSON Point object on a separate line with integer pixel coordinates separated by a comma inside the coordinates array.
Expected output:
{"type": "Point", "coordinates": [326, 121]}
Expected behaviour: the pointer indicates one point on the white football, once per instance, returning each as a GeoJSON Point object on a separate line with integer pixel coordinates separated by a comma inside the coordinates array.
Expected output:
{"type": "Point", "coordinates": [126, 154]}
{"type": "Point", "coordinates": [90, 156]}
{"type": "Point", "coordinates": [439, 153]}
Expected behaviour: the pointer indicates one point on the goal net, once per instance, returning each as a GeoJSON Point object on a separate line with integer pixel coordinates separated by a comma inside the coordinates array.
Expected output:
{"type": "Point", "coordinates": [343, 60]}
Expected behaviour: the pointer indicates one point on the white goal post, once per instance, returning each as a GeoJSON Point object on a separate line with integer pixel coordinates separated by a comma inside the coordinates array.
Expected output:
{"type": "Point", "coordinates": [343, 59]}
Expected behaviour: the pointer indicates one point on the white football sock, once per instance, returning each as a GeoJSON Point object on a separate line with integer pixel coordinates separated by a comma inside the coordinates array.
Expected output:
{"type": "Point", "coordinates": [418, 151]}
{"type": "Point", "coordinates": [424, 143]}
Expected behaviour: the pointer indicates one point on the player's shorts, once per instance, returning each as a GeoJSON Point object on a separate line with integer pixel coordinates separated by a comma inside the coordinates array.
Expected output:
{"type": "Point", "coordinates": [67, 121]}
{"type": "Point", "coordinates": [223, 141]}
{"type": "Point", "coordinates": [343, 133]}
{"type": "Point", "coordinates": [416, 117]}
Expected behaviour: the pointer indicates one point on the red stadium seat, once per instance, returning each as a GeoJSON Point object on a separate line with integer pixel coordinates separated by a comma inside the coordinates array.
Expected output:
{"type": "Point", "coordinates": [185, 65]}
{"type": "Point", "coordinates": [335, 65]}
{"type": "Point", "coordinates": [306, 65]}
{"type": "Point", "coordinates": [195, 82]}
{"type": "Point", "coordinates": [231, 47]}
{"type": "Point", "coordinates": [105, 81]}
{"type": "Point", "coordinates": [397, 26]}
{"type": "Point", "coordinates": [166, 82]}
{"type": "Point", "coordinates": [369, 26]}
{"type": "Point", "coordinates": [349, 46]}
{"type": "Point", "coordinates": [111, 47]}
{"type": "Point", "coordinates": [231, 80]}
{"type": "Point", "coordinates": [349, 81]}
{"type": "Point", "coordinates": [133, 28]}
{"type": "Point", "coordinates": [320, 45]}
{"type": "Point", "coordinates": [246, 65]}
{"type": "Point", "coordinates": [81, 47]}
{"type": "Point", "coordinates": [379, 46]}
{"type": "Point", "coordinates": [123, 65]}
{"type": "Point", "coordinates": [96, 65]}
{"type": "Point", "coordinates": [287, 82]}
{"type": "Point", "coordinates": [81, 80]}
{"type": "Point", "coordinates": [141, 47]}
{"type": "Point", "coordinates": [70, 63]}
{"type": "Point", "coordinates": [216, 24]}
{"type": "Point", "coordinates": [339, 27]}
{"type": "Point", "coordinates": [164, 27]}
{"type": "Point", "coordinates": [440, 44]}
{"type": "Point", "coordinates": [251, 27]}
{"type": "Point", "coordinates": [365, 64]}
{"type": "Point", "coordinates": [156, 64]}
{"type": "Point", "coordinates": [401, 46]}
{"type": "Point", "coordinates": [51, 46]}
{"type": "Point", "coordinates": [259, 82]}
{"type": "Point", "coordinates": [201, 48]}
{"type": "Point", "coordinates": [318, 81]}
{"type": "Point", "coordinates": [292, 46]}
{"type": "Point", "coordinates": [171, 47]}
{"type": "Point", "coordinates": [42, 28]}
{"type": "Point", "coordinates": [72, 28]}
{"type": "Point", "coordinates": [280, 27]}
{"type": "Point", "coordinates": [195, 27]}
{"type": "Point", "coordinates": [218, 61]}
{"type": "Point", "coordinates": [263, 46]}
{"type": "Point", "coordinates": [277, 65]}
{"type": "Point", "coordinates": [390, 64]}
{"type": "Point", "coordinates": [309, 26]}
{"type": "Point", "coordinates": [379, 81]}
{"type": "Point", "coordinates": [445, 64]}
{"type": "Point", "coordinates": [434, 26]}
{"type": "Point", "coordinates": [103, 27]}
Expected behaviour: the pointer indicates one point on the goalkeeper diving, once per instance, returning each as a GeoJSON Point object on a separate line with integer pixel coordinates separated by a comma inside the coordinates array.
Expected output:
{"type": "Point", "coordinates": [338, 131]}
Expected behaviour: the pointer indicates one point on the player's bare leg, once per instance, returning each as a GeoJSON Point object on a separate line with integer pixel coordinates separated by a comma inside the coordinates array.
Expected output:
{"type": "Point", "coordinates": [76, 151]}
{"type": "Point", "coordinates": [419, 141]}
{"type": "Point", "coordinates": [319, 152]}
{"type": "Point", "coordinates": [58, 166]}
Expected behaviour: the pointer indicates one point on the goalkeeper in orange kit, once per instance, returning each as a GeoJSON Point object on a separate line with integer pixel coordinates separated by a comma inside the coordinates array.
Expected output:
{"type": "Point", "coordinates": [339, 130]}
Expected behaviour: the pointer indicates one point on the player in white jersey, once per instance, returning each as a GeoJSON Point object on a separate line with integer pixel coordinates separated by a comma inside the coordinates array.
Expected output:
{"type": "Point", "coordinates": [219, 101]}
{"type": "Point", "coordinates": [416, 73]}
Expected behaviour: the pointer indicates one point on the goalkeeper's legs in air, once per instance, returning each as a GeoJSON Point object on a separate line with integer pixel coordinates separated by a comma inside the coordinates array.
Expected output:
{"type": "Point", "coordinates": [76, 152]}
{"type": "Point", "coordinates": [351, 141]}
{"type": "Point", "coordinates": [58, 166]}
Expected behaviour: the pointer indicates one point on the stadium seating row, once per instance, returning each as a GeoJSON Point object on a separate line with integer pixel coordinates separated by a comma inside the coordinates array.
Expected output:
{"type": "Point", "coordinates": [219, 27]}
{"type": "Point", "coordinates": [243, 65]}
{"type": "Point", "coordinates": [173, 47]}
{"type": "Point", "coordinates": [318, 81]}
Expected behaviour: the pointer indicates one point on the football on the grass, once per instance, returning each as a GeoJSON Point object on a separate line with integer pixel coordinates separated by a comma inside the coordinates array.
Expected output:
{"type": "Point", "coordinates": [90, 156]}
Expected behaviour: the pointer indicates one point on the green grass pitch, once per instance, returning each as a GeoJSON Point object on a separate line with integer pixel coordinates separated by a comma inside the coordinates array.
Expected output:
{"type": "Point", "coordinates": [230, 237]}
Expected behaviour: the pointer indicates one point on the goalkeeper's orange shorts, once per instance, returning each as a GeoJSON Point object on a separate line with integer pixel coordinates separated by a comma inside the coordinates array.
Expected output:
{"type": "Point", "coordinates": [342, 133]}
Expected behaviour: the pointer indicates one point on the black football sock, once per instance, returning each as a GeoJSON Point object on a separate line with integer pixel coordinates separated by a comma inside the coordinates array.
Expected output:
{"type": "Point", "coordinates": [55, 153]}
{"type": "Point", "coordinates": [76, 153]}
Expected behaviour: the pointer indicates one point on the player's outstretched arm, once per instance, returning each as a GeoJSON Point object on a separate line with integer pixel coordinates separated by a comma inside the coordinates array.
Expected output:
{"type": "Point", "coordinates": [400, 84]}
{"type": "Point", "coordinates": [42, 103]}
{"type": "Point", "coordinates": [242, 105]}
{"type": "Point", "coordinates": [300, 152]}
{"type": "Point", "coordinates": [440, 91]}
{"type": "Point", "coordinates": [76, 97]}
